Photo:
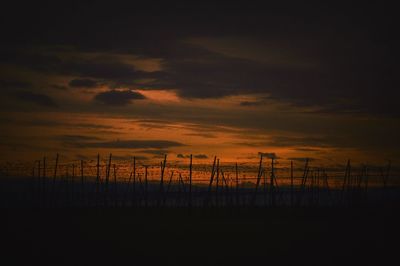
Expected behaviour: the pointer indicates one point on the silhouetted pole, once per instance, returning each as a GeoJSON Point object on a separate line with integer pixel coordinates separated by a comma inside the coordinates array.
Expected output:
{"type": "Point", "coordinates": [44, 181]}
{"type": "Point", "coordinates": [303, 182]}
{"type": "Point", "coordinates": [272, 186]}
{"type": "Point", "coordinates": [181, 183]}
{"type": "Point", "coordinates": [55, 174]}
{"type": "Point", "coordinates": [168, 187]}
{"type": "Point", "coordinates": [346, 180]}
{"type": "Point", "coordinates": [115, 187]}
{"type": "Point", "coordinates": [327, 189]}
{"type": "Point", "coordinates": [217, 185]}
{"type": "Point", "coordinates": [253, 201]}
{"type": "Point", "coordinates": [226, 191]}
{"type": "Point", "coordinates": [134, 182]}
{"type": "Point", "coordinates": [264, 177]}
{"type": "Point", "coordinates": [161, 193]}
{"type": "Point", "coordinates": [190, 182]}
{"type": "Point", "coordinates": [72, 183]}
{"type": "Point", "coordinates": [291, 183]}
{"type": "Point", "coordinates": [366, 179]}
{"type": "Point", "coordinates": [40, 196]}
{"type": "Point", "coordinates": [312, 187]}
{"type": "Point", "coordinates": [33, 183]}
{"type": "Point", "coordinates": [97, 179]}
{"type": "Point", "coordinates": [145, 186]}
{"type": "Point", "coordinates": [386, 177]}
{"type": "Point", "coordinates": [318, 190]}
{"type": "Point", "coordinates": [82, 185]}
{"type": "Point", "coordinates": [211, 181]}
{"type": "Point", "coordinates": [106, 188]}
{"type": "Point", "coordinates": [237, 185]}
{"type": "Point", "coordinates": [67, 183]}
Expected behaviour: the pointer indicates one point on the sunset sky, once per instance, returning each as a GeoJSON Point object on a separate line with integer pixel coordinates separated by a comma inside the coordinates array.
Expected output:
{"type": "Point", "coordinates": [293, 81]}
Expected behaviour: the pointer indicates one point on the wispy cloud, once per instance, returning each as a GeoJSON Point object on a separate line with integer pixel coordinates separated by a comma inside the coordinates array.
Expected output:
{"type": "Point", "coordinates": [130, 144]}
{"type": "Point", "coordinates": [118, 98]}
{"type": "Point", "coordinates": [196, 156]}
{"type": "Point", "coordinates": [270, 155]}
{"type": "Point", "coordinates": [83, 83]}
{"type": "Point", "coordinates": [36, 98]}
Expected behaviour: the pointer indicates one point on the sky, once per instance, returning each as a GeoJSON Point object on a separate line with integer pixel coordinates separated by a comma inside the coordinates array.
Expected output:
{"type": "Point", "coordinates": [291, 81]}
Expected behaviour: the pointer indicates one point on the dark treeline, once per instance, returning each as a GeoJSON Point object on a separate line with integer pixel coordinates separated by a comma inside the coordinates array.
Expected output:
{"type": "Point", "coordinates": [312, 188]}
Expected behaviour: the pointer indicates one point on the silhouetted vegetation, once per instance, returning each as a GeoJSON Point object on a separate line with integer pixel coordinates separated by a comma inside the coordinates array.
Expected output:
{"type": "Point", "coordinates": [99, 184]}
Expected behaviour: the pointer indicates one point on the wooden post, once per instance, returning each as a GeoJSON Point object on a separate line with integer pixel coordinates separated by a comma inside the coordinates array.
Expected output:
{"type": "Point", "coordinates": [145, 187]}
{"type": "Point", "coordinates": [67, 184]}
{"type": "Point", "coordinates": [303, 182]}
{"type": "Point", "coordinates": [264, 174]}
{"type": "Point", "coordinates": [40, 195]}
{"type": "Point", "coordinates": [386, 178]}
{"type": "Point", "coordinates": [32, 192]}
{"type": "Point", "coordinates": [134, 183]}
{"type": "Point", "coordinates": [106, 185]}
{"type": "Point", "coordinates": [44, 181]}
{"type": "Point", "coordinates": [161, 193]}
{"type": "Point", "coordinates": [272, 185]}
{"type": "Point", "coordinates": [82, 185]}
{"type": "Point", "coordinates": [327, 189]}
{"type": "Point", "coordinates": [190, 182]}
{"type": "Point", "coordinates": [318, 190]}
{"type": "Point", "coordinates": [115, 187]}
{"type": "Point", "coordinates": [97, 179]}
{"type": "Point", "coordinates": [211, 181]}
{"type": "Point", "coordinates": [253, 201]}
{"type": "Point", "coordinates": [72, 183]}
{"type": "Point", "coordinates": [226, 192]}
{"type": "Point", "coordinates": [217, 181]}
{"type": "Point", "coordinates": [366, 179]}
{"type": "Point", "coordinates": [55, 175]}
{"type": "Point", "coordinates": [181, 183]}
{"type": "Point", "coordinates": [168, 187]}
{"type": "Point", "coordinates": [291, 184]}
{"type": "Point", "coordinates": [346, 180]}
{"type": "Point", "coordinates": [237, 184]}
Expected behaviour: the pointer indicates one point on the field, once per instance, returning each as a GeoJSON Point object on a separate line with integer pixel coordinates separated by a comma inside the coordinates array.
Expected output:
{"type": "Point", "coordinates": [280, 236]}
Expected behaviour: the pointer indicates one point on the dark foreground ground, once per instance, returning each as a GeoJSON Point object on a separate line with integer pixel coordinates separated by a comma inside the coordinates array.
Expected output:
{"type": "Point", "coordinates": [280, 236]}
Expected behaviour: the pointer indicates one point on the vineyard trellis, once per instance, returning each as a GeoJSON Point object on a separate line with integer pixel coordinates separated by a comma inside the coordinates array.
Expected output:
{"type": "Point", "coordinates": [104, 183]}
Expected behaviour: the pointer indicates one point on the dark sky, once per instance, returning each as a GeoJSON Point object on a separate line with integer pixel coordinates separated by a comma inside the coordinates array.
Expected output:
{"type": "Point", "coordinates": [278, 78]}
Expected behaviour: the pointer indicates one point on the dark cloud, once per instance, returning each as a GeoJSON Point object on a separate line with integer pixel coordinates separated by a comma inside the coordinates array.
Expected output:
{"type": "Point", "coordinates": [101, 68]}
{"type": "Point", "coordinates": [83, 83]}
{"type": "Point", "coordinates": [252, 103]}
{"type": "Point", "coordinates": [270, 155]}
{"type": "Point", "coordinates": [286, 141]}
{"type": "Point", "coordinates": [154, 152]}
{"type": "Point", "coordinates": [130, 144]}
{"type": "Point", "coordinates": [203, 135]}
{"type": "Point", "coordinates": [12, 84]}
{"type": "Point", "coordinates": [296, 141]}
{"type": "Point", "coordinates": [351, 64]}
{"type": "Point", "coordinates": [118, 98]}
{"type": "Point", "coordinates": [301, 159]}
{"type": "Point", "coordinates": [91, 126]}
{"type": "Point", "coordinates": [299, 143]}
{"type": "Point", "coordinates": [196, 156]}
{"type": "Point", "coordinates": [76, 138]}
{"type": "Point", "coordinates": [129, 158]}
{"type": "Point", "coordinates": [200, 156]}
{"type": "Point", "coordinates": [59, 87]}
{"type": "Point", "coordinates": [36, 98]}
{"type": "Point", "coordinates": [307, 150]}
